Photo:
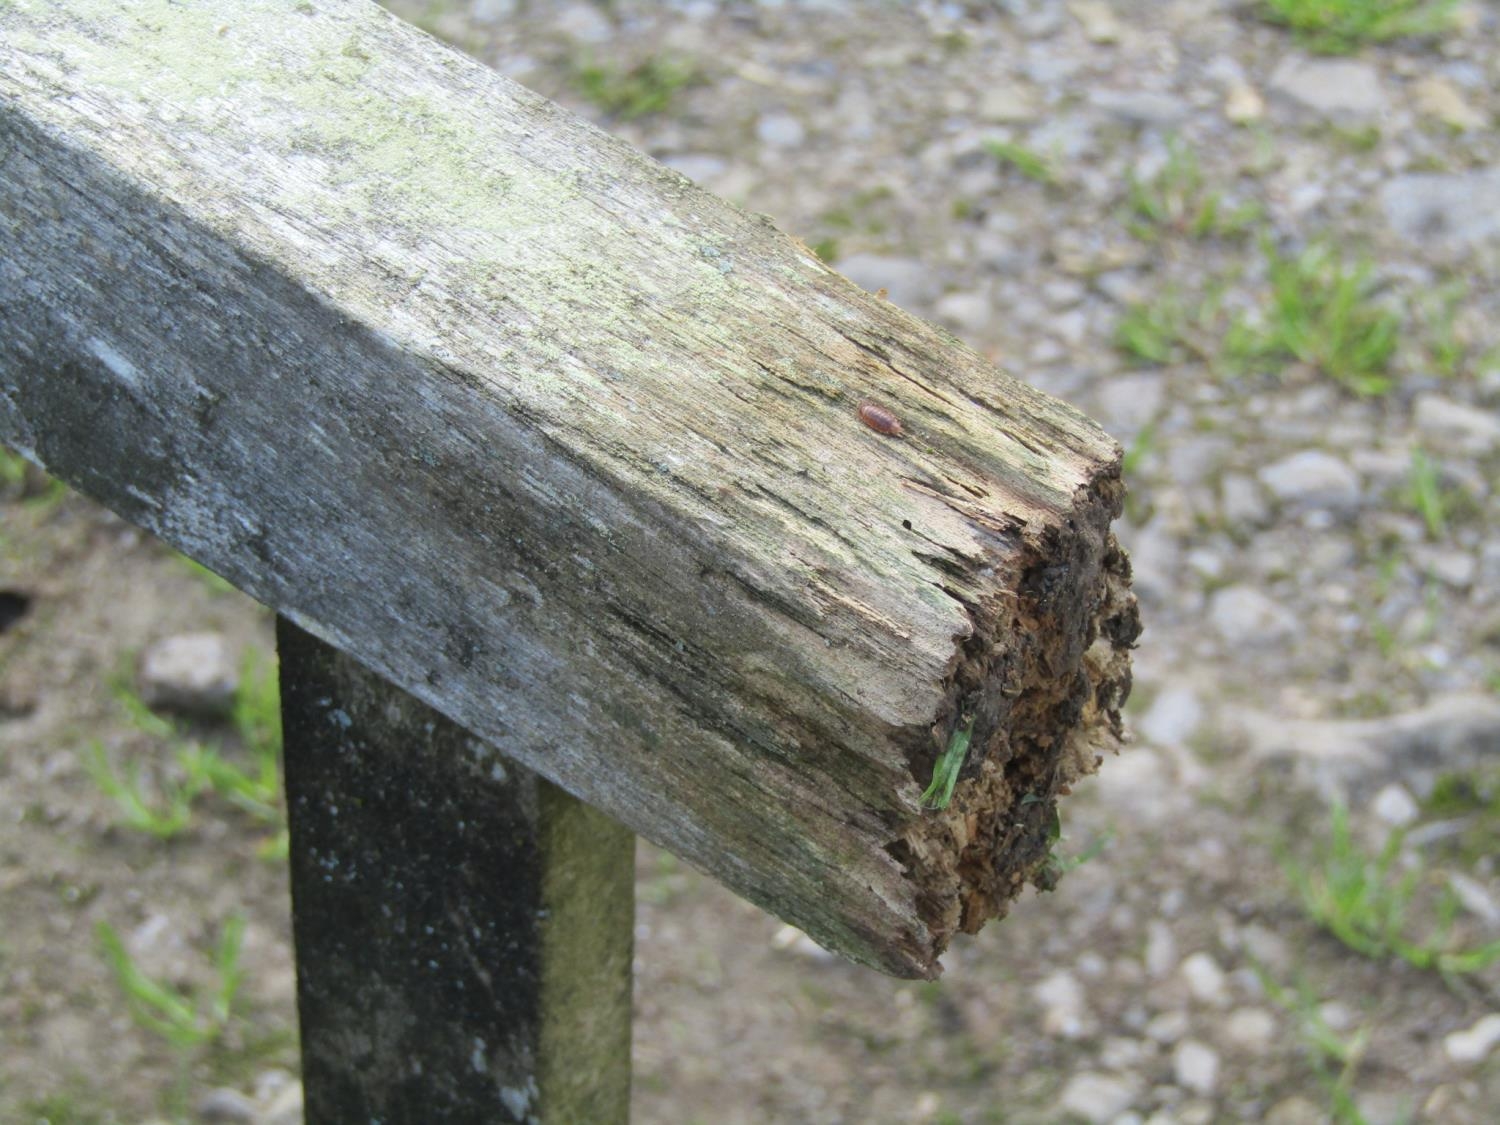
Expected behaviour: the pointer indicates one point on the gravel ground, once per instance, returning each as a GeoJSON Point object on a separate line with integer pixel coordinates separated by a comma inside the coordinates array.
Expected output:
{"type": "Point", "coordinates": [1315, 546]}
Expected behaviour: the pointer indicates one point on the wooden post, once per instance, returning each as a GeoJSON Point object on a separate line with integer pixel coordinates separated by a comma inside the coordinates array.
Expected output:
{"type": "Point", "coordinates": [565, 447]}
{"type": "Point", "coordinates": [463, 927]}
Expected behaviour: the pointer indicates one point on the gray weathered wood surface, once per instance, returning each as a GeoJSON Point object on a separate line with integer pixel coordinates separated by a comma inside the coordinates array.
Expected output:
{"type": "Point", "coordinates": [561, 444]}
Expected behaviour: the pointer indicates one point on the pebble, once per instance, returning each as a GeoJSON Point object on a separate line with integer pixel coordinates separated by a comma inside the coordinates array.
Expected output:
{"type": "Point", "coordinates": [908, 282]}
{"type": "Point", "coordinates": [1064, 1008]}
{"type": "Point", "coordinates": [1243, 502]}
{"type": "Point", "coordinates": [1245, 617]}
{"type": "Point", "coordinates": [1099, 1098]}
{"type": "Point", "coordinates": [1168, 1027]}
{"type": "Point", "coordinates": [192, 673]}
{"type": "Point", "coordinates": [1474, 1044]}
{"type": "Point", "coordinates": [1454, 210]}
{"type": "Point", "coordinates": [780, 130]}
{"type": "Point", "coordinates": [1140, 107]}
{"type": "Point", "coordinates": [1243, 104]}
{"type": "Point", "coordinates": [1313, 478]}
{"type": "Point", "coordinates": [1195, 1066]}
{"type": "Point", "coordinates": [970, 311]}
{"type": "Point", "coordinates": [1438, 98]}
{"type": "Point", "coordinates": [225, 1104]}
{"type": "Point", "coordinates": [789, 939]}
{"type": "Point", "coordinates": [1451, 426]}
{"type": "Point", "coordinates": [1008, 105]}
{"type": "Point", "coordinates": [1174, 716]}
{"type": "Point", "coordinates": [1343, 89]}
{"type": "Point", "coordinates": [1161, 949]}
{"type": "Point", "coordinates": [1252, 1030]}
{"type": "Point", "coordinates": [1395, 806]}
{"type": "Point", "coordinates": [1205, 980]}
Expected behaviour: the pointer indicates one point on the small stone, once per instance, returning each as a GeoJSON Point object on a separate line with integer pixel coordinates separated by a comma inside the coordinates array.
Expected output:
{"type": "Point", "coordinates": [190, 673]}
{"type": "Point", "coordinates": [906, 281]}
{"type": "Point", "coordinates": [1064, 1009]}
{"type": "Point", "coordinates": [1243, 616]}
{"type": "Point", "coordinates": [1140, 107]}
{"type": "Point", "coordinates": [1174, 715]}
{"type": "Point", "coordinates": [780, 130]}
{"type": "Point", "coordinates": [1205, 980]}
{"type": "Point", "coordinates": [1439, 99]}
{"type": "Point", "coordinates": [1450, 566]}
{"type": "Point", "coordinates": [789, 939]}
{"type": "Point", "coordinates": [1099, 1098]}
{"type": "Point", "coordinates": [1195, 1066]}
{"type": "Point", "coordinates": [970, 311]}
{"type": "Point", "coordinates": [1007, 105]}
{"type": "Point", "coordinates": [1453, 425]}
{"type": "Point", "coordinates": [584, 23]}
{"type": "Point", "coordinates": [1253, 1030]}
{"type": "Point", "coordinates": [1296, 1110]}
{"type": "Point", "coordinates": [1474, 897]}
{"type": "Point", "coordinates": [1453, 210]}
{"type": "Point", "coordinates": [702, 168]}
{"type": "Point", "coordinates": [1243, 104]}
{"type": "Point", "coordinates": [225, 1104]}
{"type": "Point", "coordinates": [1168, 1027]}
{"type": "Point", "coordinates": [1395, 806]}
{"type": "Point", "coordinates": [1313, 479]}
{"type": "Point", "coordinates": [284, 1108]}
{"type": "Point", "coordinates": [1130, 402]}
{"type": "Point", "coordinates": [1243, 502]}
{"type": "Point", "coordinates": [1098, 19]}
{"type": "Point", "coordinates": [1336, 88]}
{"type": "Point", "coordinates": [1475, 1044]}
{"type": "Point", "coordinates": [1161, 949]}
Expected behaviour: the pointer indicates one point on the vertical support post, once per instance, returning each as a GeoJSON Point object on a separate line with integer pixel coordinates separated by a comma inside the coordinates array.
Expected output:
{"type": "Point", "coordinates": [463, 928]}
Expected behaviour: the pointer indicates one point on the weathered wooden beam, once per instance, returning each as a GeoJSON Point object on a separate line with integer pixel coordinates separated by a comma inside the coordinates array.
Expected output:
{"type": "Point", "coordinates": [463, 927]}
{"type": "Point", "coordinates": [564, 446]}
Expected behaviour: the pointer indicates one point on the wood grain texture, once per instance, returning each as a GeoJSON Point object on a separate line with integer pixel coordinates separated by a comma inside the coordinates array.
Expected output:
{"type": "Point", "coordinates": [561, 444]}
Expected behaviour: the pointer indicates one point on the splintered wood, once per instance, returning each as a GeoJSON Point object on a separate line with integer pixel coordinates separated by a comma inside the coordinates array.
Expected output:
{"type": "Point", "coordinates": [611, 473]}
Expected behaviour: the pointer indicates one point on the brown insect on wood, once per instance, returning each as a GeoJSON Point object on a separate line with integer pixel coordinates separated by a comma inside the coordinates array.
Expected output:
{"type": "Point", "coordinates": [879, 419]}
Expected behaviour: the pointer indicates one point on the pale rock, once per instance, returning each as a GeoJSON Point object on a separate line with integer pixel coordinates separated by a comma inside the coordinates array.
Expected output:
{"type": "Point", "coordinates": [1344, 89]}
{"type": "Point", "coordinates": [1243, 104]}
{"type": "Point", "coordinates": [285, 1108]}
{"type": "Point", "coordinates": [1173, 717]}
{"type": "Point", "coordinates": [584, 23]}
{"type": "Point", "coordinates": [1243, 502]}
{"type": "Point", "coordinates": [1099, 1098]}
{"type": "Point", "coordinates": [780, 130]}
{"type": "Point", "coordinates": [1008, 105]}
{"type": "Point", "coordinates": [1313, 478]}
{"type": "Point", "coordinates": [789, 939]}
{"type": "Point", "coordinates": [1450, 425]}
{"type": "Point", "coordinates": [191, 673]}
{"type": "Point", "coordinates": [1474, 1044]}
{"type": "Point", "coordinates": [1120, 1053]}
{"type": "Point", "coordinates": [1168, 1027]}
{"type": "Point", "coordinates": [969, 311]}
{"type": "Point", "coordinates": [1450, 566]}
{"type": "Point", "coordinates": [907, 281]}
{"type": "Point", "coordinates": [1252, 1030]}
{"type": "Point", "coordinates": [1195, 1066]}
{"type": "Point", "coordinates": [226, 1105]}
{"type": "Point", "coordinates": [1129, 402]}
{"type": "Point", "coordinates": [1161, 949]}
{"type": "Point", "coordinates": [1205, 980]}
{"type": "Point", "coordinates": [1395, 806]}
{"type": "Point", "coordinates": [702, 168]}
{"type": "Point", "coordinates": [1451, 210]}
{"type": "Point", "coordinates": [1296, 1110]}
{"type": "Point", "coordinates": [1140, 107]}
{"type": "Point", "coordinates": [1098, 19]}
{"type": "Point", "coordinates": [1243, 616]}
{"type": "Point", "coordinates": [1474, 897]}
{"type": "Point", "coordinates": [1439, 99]}
{"type": "Point", "coordinates": [1064, 1009]}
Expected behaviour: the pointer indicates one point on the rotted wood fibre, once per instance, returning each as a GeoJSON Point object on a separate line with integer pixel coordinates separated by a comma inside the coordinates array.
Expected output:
{"type": "Point", "coordinates": [564, 446]}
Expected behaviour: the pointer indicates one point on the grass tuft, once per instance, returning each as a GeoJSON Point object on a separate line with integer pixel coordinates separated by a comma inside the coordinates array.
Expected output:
{"type": "Point", "coordinates": [182, 1020]}
{"type": "Point", "coordinates": [1366, 903]}
{"type": "Point", "coordinates": [1030, 163]}
{"type": "Point", "coordinates": [1340, 27]}
{"type": "Point", "coordinates": [1177, 200]}
{"type": "Point", "coordinates": [648, 87]}
{"type": "Point", "coordinates": [1321, 313]}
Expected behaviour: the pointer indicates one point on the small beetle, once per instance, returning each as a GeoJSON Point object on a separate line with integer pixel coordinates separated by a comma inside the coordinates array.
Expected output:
{"type": "Point", "coordinates": [879, 419]}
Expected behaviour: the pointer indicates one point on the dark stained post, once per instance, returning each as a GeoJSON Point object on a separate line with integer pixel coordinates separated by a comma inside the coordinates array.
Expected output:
{"type": "Point", "coordinates": [463, 927]}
